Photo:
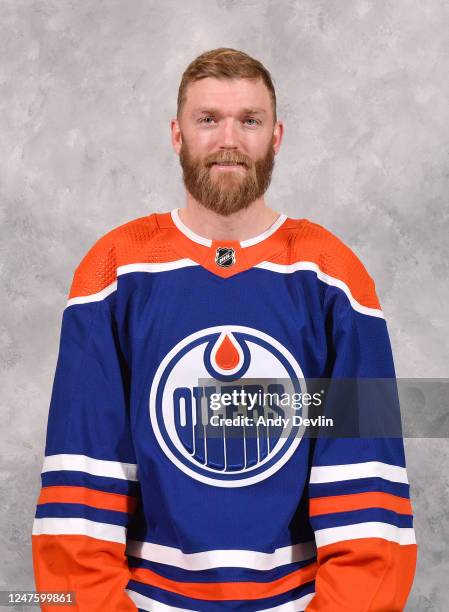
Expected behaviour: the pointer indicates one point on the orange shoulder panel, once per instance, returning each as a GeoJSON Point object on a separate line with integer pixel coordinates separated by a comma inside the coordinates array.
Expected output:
{"type": "Point", "coordinates": [137, 241]}
{"type": "Point", "coordinates": [312, 242]}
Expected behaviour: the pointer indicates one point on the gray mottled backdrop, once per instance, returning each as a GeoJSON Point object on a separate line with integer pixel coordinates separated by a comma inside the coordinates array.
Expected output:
{"type": "Point", "coordinates": [87, 90]}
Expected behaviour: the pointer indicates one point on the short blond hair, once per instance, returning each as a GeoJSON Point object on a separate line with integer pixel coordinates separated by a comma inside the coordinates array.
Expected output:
{"type": "Point", "coordinates": [224, 63]}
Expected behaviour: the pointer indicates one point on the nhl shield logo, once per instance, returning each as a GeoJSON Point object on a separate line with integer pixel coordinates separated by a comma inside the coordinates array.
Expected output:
{"type": "Point", "coordinates": [182, 412]}
{"type": "Point", "coordinates": [225, 257]}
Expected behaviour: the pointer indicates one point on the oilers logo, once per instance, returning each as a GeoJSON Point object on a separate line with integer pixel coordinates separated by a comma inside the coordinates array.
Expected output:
{"type": "Point", "coordinates": [218, 360]}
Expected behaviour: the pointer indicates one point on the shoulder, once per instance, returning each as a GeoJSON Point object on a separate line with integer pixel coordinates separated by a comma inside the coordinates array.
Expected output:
{"type": "Point", "coordinates": [329, 251]}
{"type": "Point", "coordinates": [316, 248]}
{"type": "Point", "coordinates": [97, 270]}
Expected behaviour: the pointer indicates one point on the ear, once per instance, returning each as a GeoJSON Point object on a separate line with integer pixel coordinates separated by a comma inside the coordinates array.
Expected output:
{"type": "Point", "coordinates": [176, 136]}
{"type": "Point", "coordinates": [278, 133]}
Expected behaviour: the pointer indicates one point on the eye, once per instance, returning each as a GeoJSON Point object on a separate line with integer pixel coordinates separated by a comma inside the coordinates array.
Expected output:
{"type": "Point", "coordinates": [205, 120]}
{"type": "Point", "coordinates": [252, 119]}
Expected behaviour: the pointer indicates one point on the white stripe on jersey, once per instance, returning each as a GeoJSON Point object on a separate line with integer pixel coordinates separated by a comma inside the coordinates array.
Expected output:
{"type": "Point", "coordinates": [146, 603]}
{"type": "Point", "coordinates": [351, 471]}
{"type": "Point", "coordinates": [79, 526]}
{"type": "Point", "coordinates": [156, 267]}
{"type": "Point", "coordinates": [330, 280]}
{"type": "Point", "coordinates": [386, 531]}
{"type": "Point", "coordinates": [96, 467]}
{"type": "Point", "coordinates": [251, 559]}
{"type": "Point", "coordinates": [93, 297]}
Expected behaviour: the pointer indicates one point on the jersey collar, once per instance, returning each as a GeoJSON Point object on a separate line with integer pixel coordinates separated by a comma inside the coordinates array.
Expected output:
{"type": "Point", "coordinates": [224, 258]}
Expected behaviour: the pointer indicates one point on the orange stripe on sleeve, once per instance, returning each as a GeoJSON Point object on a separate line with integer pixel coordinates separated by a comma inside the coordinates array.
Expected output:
{"type": "Point", "coordinates": [359, 501]}
{"type": "Point", "coordinates": [223, 591]}
{"type": "Point", "coordinates": [88, 497]}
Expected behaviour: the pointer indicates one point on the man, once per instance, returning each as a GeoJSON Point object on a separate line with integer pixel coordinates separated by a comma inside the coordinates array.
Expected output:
{"type": "Point", "coordinates": [148, 502]}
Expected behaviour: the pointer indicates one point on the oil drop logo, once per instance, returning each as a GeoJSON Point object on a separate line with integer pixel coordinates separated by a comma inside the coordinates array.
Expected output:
{"type": "Point", "coordinates": [181, 408]}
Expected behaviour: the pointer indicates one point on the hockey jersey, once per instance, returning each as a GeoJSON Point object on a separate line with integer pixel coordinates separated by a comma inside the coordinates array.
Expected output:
{"type": "Point", "coordinates": [144, 505]}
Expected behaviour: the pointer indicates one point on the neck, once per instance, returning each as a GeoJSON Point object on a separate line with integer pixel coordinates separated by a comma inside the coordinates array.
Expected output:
{"type": "Point", "coordinates": [242, 225]}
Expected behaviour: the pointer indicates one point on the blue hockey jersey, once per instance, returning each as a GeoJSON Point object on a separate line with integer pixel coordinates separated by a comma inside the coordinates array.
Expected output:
{"type": "Point", "coordinates": [144, 504]}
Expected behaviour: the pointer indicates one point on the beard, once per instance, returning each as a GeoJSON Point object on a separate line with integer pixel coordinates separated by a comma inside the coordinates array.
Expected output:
{"type": "Point", "coordinates": [226, 191]}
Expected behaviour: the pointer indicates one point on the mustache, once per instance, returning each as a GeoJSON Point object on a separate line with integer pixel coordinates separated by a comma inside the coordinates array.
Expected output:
{"type": "Point", "coordinates": [228, 158]}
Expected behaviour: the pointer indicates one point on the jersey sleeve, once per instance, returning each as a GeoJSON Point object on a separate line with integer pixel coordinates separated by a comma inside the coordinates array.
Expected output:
{"type": "Point", "coordinates": [90, 488]}
{"type": "Point", "coordinates": [359, 503]}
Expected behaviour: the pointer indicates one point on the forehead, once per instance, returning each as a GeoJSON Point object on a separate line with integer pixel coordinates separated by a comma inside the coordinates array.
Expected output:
{"type": "Point", "coordinates": [228, 95]}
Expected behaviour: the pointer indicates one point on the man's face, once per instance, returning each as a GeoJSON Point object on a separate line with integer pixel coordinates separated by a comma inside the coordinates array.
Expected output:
{"type": "Point", "coordinates": [227, 142]}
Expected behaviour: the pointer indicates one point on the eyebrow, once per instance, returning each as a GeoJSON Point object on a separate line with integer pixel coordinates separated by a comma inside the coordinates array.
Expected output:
{"type": "Point", "coordinates": [246, 111]}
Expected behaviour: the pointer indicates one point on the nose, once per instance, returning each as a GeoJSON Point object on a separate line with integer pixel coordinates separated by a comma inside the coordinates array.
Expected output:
{"type": "Point", "coordinates": [228, 136]}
